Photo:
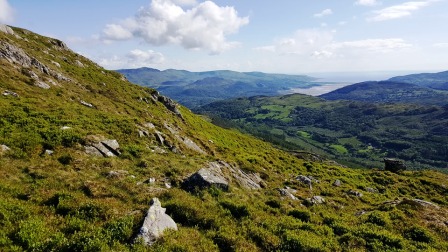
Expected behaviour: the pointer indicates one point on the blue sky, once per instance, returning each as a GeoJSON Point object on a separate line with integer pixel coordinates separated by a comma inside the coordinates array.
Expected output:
{"type": "Point", "coordinates": [286, 36]}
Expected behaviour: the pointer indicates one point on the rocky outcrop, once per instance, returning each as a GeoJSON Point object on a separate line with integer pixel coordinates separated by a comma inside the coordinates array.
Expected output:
{"type": "Point", "coordinates": [105, 148]}
{"type": "Point", "coordinates": [394, 165]}
{"type": "Point", "coordinates": [168, 103]}
{"type": "Point", "coordinates": [7, 93]}
{"type": "Point", "coordinates": [187, 142]}
{"type": "Point", "coordinates": [6, 29]}
{"type": "Point", "coordinates": [355, 193]}
{"type": "Point", "coordinates": [288, 193]}
{"type": "Point", "coordinates": [219, 174]}
{"type": "Point", "coordinates": [315, 200]}
{"type": "Point", "coordinates": [155, 223]}
{"type": "Point", "coordinates": [212, 176]}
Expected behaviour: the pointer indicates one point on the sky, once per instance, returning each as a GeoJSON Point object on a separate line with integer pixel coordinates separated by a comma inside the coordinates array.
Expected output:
{"type": "Point", "coordinates": [283, 36]}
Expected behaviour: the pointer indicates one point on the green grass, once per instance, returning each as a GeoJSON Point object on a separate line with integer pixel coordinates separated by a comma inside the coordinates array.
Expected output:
{"type": "Point", "coordinates": [67, 201]}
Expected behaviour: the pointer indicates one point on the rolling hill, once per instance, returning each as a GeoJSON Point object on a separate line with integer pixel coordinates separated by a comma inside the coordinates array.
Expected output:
{"type": "Point", "coordinates": [437, 81]}
{"type": "Point", "coordinates": [194, 89]}
{"type": "Point", "coordinates": [83, 151]}
{"type": "Point", "coordinates": [389, 92]}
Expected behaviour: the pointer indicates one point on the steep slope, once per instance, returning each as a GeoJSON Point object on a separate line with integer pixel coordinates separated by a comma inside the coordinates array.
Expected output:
{"type": "Point", "coordinates": [354, 132]}
{"type": "Point", "coordinates": [430, 80]}
{"type": "Point", "coordinates": [194, 89]}
{"type": "Point", "coordinates": [389, 91]}
{"type": "Point", "coordinates": [83, 151]}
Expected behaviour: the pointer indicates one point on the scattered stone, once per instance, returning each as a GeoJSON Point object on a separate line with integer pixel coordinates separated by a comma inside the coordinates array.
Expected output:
{"type": "Point", "coordinates": [149, 125]}
{"type": "Point", "coordinates": [105, 148]}
{"type": "Point", "coordinates": [424, 203]}
{"type": "Point", "coordinates": [86, 104]}
{"type": "Point", "coordinates": [394, 165]}
{"type": "Point", "coordinates": [159, 137]}
{"type": "Point", "coordinates": [155, 223]}
{"type": "Point", "coordinates": [65, 128]}
{"type": "Point", "coordinates": [7, 93]}
{"type": "Point", "coordinates": [371, 190]}
{"type": "Point", "coordinates": [61, 77]}
{"type": "Point", "coordinates": [49, 152]}
{"type": "Point", "coordinates": [288, 192]}
{"type": "Point", "coordinates": [315, 200]}
{"type": "Point", "coordinates": [211, 176]}
{"type": "Point", "coordinates": [211, 141]}
{"type": "Point", "coordinates": [59, 44]}
{"type": "Point", "coordinates": [168, 185]}
{"type": "Point", "coordinates": [169, 104]}
{"type": "Point", "coordinates": [6, 29]}
{"type": "Point", "coordinates": [4, 148]}
{"type": "Point", "coordinates": [42, 84]}
{"type": "Point", "coordinates": [355, 193]}
{"type": "Point", "coordinates": [90, 150]}
{"type": "Point", "coordinates": [304, 179]}
{"type": "Point", "coordinates": [359, 213]}
{"type": "Point", "coordinates": [56, 64]}
{"type": "Point", "coordinates": [337, 183]}
{"type": "Point", "coordinates": [192, 145]}
{"type": "Point", "coordinates": [117, 174]}
{"type": "Point", "coordinates": [158, 150]}
{"type": "Point", "coordinates": [79, 63]}
{"type": "Point", "coordinates": [150, 180]}
{"type": "Point", "coordinates": [143, 133]}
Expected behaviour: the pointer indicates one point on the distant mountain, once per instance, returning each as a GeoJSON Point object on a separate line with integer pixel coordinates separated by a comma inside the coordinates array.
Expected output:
{"type": "Point", "coordinates": [431, 80]}
{"type": "Point", "coordinates": [389, 91]}
{"type": "Point", "coordinates": [194, 89]}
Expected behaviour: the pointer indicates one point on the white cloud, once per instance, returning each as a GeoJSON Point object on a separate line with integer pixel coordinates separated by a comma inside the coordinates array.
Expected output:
{"type": "Point", "coordinates": [320, 44]}
{"type": "Point", "coordinates": [367, 2]}
{"type": "Point", "coordinates": [441, 45]}
{"type": "Point", "coordinates": [6, 12]}
{"type": "Point", "coordinates": [202, 27]}
{"type": "Point", "coordinates": [134, 59]}
{"type": "Point", "coordinates": [323, 13]}
{"type": "Point", "coordinates": [399, 11]}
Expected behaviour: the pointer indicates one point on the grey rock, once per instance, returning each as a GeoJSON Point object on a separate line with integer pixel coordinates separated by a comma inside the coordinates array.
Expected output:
{"type": "Point", "coordinates": [86, 104]}
{"type": "Point", "coordinates": [117, 174]}
{"type": "Point", "coordinates": [192, 145]}
{"type": "Point", "coordinates": [112, 145]}
{"type": "Point", "coordinates": [104, 150]}
{"type": "Point", "coordinates": [65, 128]}
{"type": "Point", "coordinates": [143, 133]}
{"type": "Point", "coordinates": [371, 190]}
{"type": "Point", "coordinates": [305, 180]}
{"type": "Point", "coordinates": [79, 63]}
{"type": "Point", "coordinates": [211, 176]}
{"type": "Point", "coordinates": [155, 223]}
{"type": "Point", "coordinates": [49, 152]}
{"type": "Point", "coordinates": [92, 151]}
{"type": "Point", "coordinates": [59, 44]}
{"type": "Point", "coordinates": [245, 180]}
{"type": "Point", "coordinates": [425, 203]}
{"type": "Point", "coordinates": [315, 200]}
{"type": "Point", "coordinates": [159, 137]}
{"type": "Point", "coordinates": [61, 77]}
{"type": "Point", "coordinates": [149, 125]}
{"type": "Point", "coordinates": [4, 148]}
{"type": "Point", "coordinates": [6, 29]}
{"type": "Point", "coordinates": [56, 64]}
{"type": "Point", "coordinates": [168, 185]}
{"type": "Point", "coordinates": [394, 165]}
{"type": "Point", "coordinates": [158, 150]}
{"type": "Point", "coordinates": [42, 85]}
{"type": "Point", "coordinates": [7, 93]}
{"type": "Point", "coordinates": [359, 213]}
{"type": "Point", "coordinates": [355, 193]}
{"type": "Point", "coordinates": [337, 183]}
{"type": "Point", "coordinates": [169, 104]}
{"type": "Point", "coordinates": [288, 192]}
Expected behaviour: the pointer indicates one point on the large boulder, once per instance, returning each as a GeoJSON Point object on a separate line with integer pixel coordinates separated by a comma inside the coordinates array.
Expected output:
{"type": "Point", "coordinates": [105, 148]}
{"type": "Point", "coordinates": [394, 165]}
{"type": "Point", "coordinates": [219, 174]}
{"type": "Point", "coordinates": [155, 223]}
{"type": "Point", "coordinates": [6, 29]}
{"type": "Point", "coordinates": [211, 176]}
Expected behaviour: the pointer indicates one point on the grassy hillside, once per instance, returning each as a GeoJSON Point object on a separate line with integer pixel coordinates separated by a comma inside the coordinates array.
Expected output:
{"type": "Point", "coordinates": [389, 91]}
{"type": "Point", "coordinates": [56, 197]}
{"type": "Point", "coordinates": [354, 132]}
{"type": "Point", "coordinates": [194, 89]}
